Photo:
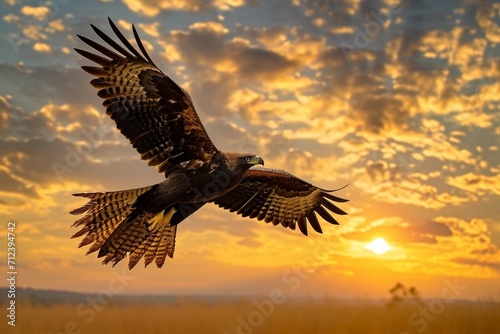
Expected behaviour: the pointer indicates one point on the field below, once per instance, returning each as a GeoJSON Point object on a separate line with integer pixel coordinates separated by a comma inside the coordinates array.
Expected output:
{"type": "Point", "coordinates": [254, 315]}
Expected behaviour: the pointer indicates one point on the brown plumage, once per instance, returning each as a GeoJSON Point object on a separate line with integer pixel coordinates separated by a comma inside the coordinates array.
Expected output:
{"type": "Point", "coordinates": [159, 119]}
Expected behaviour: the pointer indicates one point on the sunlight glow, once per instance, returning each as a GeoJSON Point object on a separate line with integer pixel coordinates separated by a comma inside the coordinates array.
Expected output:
{"type": "Point", "coordinates": [378, 246]}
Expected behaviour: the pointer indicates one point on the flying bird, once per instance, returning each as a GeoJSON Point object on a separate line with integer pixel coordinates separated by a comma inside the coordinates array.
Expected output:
{"type": "Point", "coordinates": [159, 119]}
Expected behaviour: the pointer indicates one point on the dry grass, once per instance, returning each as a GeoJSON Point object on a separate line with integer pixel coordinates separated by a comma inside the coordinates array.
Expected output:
{"type": "Point", "coordinates": [200, 316]}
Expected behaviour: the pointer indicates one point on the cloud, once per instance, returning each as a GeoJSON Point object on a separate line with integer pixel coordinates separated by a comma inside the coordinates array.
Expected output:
{"type": "Point", "coordinates": [33, 32]}
{"type": "Point", "coordinates": [476, 183]}
{"type": "Point", "coordinates": [58, 84]}
{"type": "Point", "coordinates": [217, 66]}
{"type": "Point", "coordinates": [396, 230]}
{"type": "Point", "coordinates": [493, 264]}
{"type": "Point", "coordinates": [436, 246]}
{"type": "Point", "coordinates": [262, 64]}
{"type": "Point", "coordinates": [485, 19]}
{"type": "Point", "coordinates": [10, 184]}
{"type": "Point", "coordinates": [56, 26]}
{"type": "Point", "coordinates": [391, 184]}
{"type": "Point", "coordinates": [469, 52]}
{"type": "Point", "coordinates": [5, 108]}
{"type": "Point", "coordinates": [42, 47]}
{"type": "Point", "coordinates": [471, 242]}
{"type": "Point", "coordinates": [11, 18]}
{"type": "Point", "coordinates": [47, 146]}
{"type": "Point", "coordinates": [377, 114]}
{"type": "Point", "coordinates": [205, 46]}
{"type": "Point", "coordinates": [38, 13]}
{"type": "Point", "coordinates": [150, 29]}
{"type": "Point", "coordinates": [152, 8]}
{"type": "Point", "coordinates": [209, 27]}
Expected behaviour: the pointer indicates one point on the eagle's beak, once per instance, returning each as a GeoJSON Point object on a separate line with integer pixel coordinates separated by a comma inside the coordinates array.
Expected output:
{"type": "Point", "coordinates": [259, 161]}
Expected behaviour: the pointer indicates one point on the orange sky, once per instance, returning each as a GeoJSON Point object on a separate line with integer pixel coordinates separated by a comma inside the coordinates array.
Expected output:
{"type": "Point", "coordinates": [406, 113]}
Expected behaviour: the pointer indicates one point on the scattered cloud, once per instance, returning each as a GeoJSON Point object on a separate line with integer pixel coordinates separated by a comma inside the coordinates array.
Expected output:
{"type": "Point", "coordinates": [42, 47]}
{"type": "Point", "coordinates": [150, 29]}
{"type": "Point", "coordinates": [152, 8]}
{"type": "Point", "coordinates": [38, 13]}
{"type": "Point", "coordinates": [476, 183]}
{"type": "Point", "coordinates": [56, 26]}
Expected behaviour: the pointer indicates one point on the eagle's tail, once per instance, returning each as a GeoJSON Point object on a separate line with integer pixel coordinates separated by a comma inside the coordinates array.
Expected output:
{"type": "Point", "coordinates": [116, 226]}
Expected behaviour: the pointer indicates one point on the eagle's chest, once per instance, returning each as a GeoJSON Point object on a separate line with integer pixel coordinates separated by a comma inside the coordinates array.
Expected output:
{"type": "Point", "coordinates": [209, 185]}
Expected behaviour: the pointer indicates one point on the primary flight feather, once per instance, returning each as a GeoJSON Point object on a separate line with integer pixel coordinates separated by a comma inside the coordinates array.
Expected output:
{"type": "Point", "coordinates": [159, 119]}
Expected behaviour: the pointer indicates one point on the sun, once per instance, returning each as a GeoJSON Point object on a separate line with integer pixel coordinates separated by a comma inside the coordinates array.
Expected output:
{"type": "Point", "coordinates": [378, 246]}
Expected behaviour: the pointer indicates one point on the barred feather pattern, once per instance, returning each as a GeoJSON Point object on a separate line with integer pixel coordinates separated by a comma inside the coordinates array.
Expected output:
{"type": "Point", "coordinates": [106, 227]}
{"type": "Point", "coordinates": [280, 198]}
{"type": "Point", "coordinates": [155, 114]}
{"type": "Point", "coordinates": [159, 244]}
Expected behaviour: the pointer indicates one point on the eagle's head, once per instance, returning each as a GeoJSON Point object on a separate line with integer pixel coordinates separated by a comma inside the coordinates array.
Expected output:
{"type": "Point", "coordinates": [251, 159]}
{"type": "Point", "coordinates": [242, 161]}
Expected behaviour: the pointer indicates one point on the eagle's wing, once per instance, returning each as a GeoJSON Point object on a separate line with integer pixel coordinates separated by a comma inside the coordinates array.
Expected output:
{"type": "Point", "coordinates": [151, 110]}
{"type": "Point", "coordinates": [279, 197]}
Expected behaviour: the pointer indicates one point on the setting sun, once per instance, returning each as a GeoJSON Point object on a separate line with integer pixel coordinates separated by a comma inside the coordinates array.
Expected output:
{"type": "Point", "coordinates": [378, 246]}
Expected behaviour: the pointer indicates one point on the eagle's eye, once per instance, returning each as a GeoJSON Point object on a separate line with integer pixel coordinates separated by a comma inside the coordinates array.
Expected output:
{"type": "Point", "coordinates": [247, 159]}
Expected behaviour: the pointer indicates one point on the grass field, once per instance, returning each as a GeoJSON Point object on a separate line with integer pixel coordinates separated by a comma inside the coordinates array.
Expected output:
{"type": "Point", "coordinates": [257, 315]}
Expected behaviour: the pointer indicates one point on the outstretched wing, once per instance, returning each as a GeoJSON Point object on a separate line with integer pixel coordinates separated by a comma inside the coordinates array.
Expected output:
{"type": "Point", "coordinates": [279, 197]}
{"type": "Point", "coordinates": [152, 111]}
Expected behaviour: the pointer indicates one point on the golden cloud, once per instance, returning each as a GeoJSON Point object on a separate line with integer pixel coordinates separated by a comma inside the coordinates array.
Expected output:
{"type": "Point", "coordinates": [213, 27]}
{"type": "Point", "coordinates": [11, 18]}
{"type": "Point", "coordinates": [42, 47]}
{"type": "Point", "coordinates": [387, 183]}
{"type": "Point", "coordinates": [34, 32]}
{"type": "Point", "coordinates": [152, 8]}
{"type": "Point", "coordinates": [486, 19]}
{"type": "Point", "coordinates": [39, 13]}
{"type": "Point", "coordinates": [150, 29]}
{"type": "Point", "coordinates": [476, 183]}
{"type": "Point", "coordinates": [56, 26]}
{"type": "Point", "coordinates": [4, 112]}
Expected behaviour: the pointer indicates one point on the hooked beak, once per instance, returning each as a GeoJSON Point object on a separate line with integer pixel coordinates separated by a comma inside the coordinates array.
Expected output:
{"type": "Point", "coordinates": [259, 160]}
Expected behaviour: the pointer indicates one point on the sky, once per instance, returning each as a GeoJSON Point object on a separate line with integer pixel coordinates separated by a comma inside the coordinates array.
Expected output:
{"type": "Point", "coordinates": [397, 100]}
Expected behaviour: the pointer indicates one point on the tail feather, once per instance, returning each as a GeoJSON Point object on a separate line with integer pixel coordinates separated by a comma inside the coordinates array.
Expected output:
{"type": "Point", "coordinates": [159, 244]}
{"type": "Point", "coordinates": [148, 235]}
{"type": "Point", "coordinates": [162, 238]}
{"type": "Point", "coordinates": [105, 213]}
{"type": "Point", "coordinates": [116, 225]}
{"type": "Point", "coordinates": [113, 199]}
{"type": "Point", "coordinates": [166, 246]}
{"type": "Point", "coordinates": [126, 238]}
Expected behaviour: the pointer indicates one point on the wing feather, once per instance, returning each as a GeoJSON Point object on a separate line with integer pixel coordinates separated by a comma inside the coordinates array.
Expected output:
{"type": "Point", "coordinates": [111, 42]}
{"type": "Point", "coordinates": [155, 114]}
{"type": "Point", "coordinates": [279, 197]}
{"type": "Point", "coordinates": [125, 41]}
{"type": "Point", "coordinates": [102, 49]}
{"type": "Point", "coordinates": [95, 58]}
{"type": "Point", "coordinates": [141, 47]}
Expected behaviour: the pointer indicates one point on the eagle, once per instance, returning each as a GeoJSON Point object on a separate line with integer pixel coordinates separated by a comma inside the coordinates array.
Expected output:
{"type": "Point", "coordinates": [159, 119]}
